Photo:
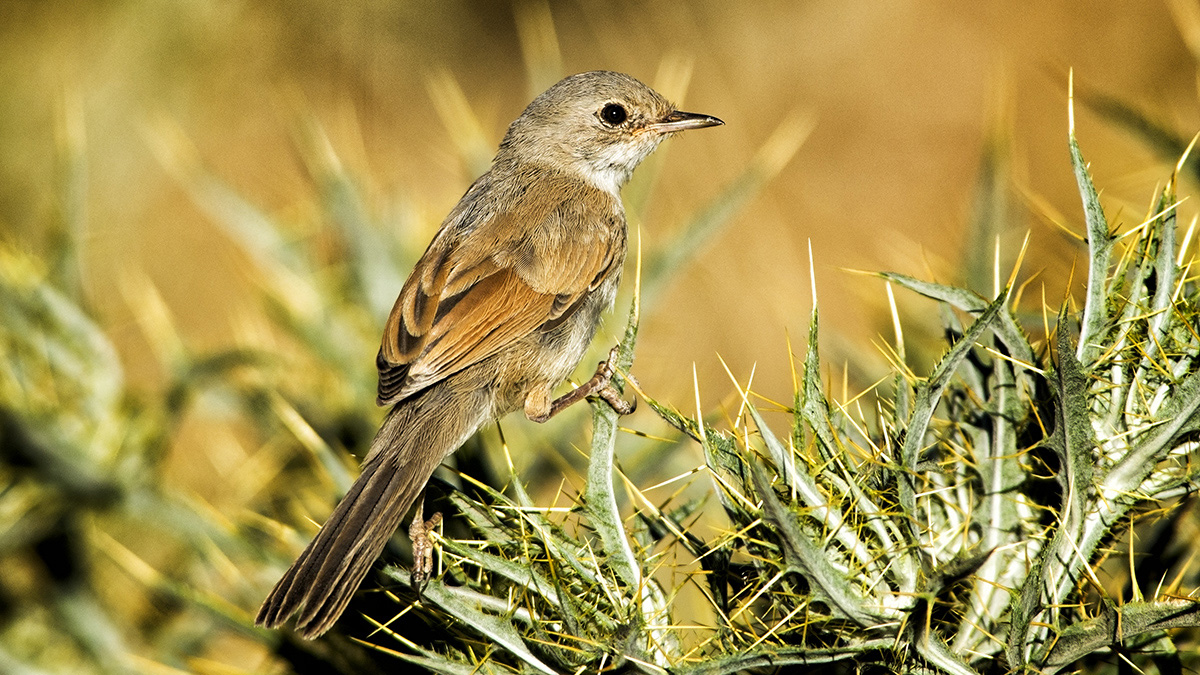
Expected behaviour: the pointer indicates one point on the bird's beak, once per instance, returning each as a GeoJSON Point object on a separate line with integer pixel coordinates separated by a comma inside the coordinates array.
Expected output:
{"type": "Point", "coordinates": [679, 121]}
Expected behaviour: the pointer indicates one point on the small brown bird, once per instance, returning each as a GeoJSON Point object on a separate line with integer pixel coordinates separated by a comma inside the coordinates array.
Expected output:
{"type": "Point", "coordinates": [496, 314]}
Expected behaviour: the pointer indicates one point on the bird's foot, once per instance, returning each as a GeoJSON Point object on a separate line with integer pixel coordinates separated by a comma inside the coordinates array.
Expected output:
{"type": "Point", "coordinates": [599, 385]}
{"type": "Point", "coordinates": [603, 385]}
{"type": "Point", "coordinates": [419, 532]}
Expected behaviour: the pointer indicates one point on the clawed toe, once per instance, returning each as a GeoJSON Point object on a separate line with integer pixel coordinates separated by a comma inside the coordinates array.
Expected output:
{"type": "Point", "coordinates": [599, 385]}
{"type": "Point", "coordinates": [613, 398]}
{"type": "Point", "coordinates": [419, 533]}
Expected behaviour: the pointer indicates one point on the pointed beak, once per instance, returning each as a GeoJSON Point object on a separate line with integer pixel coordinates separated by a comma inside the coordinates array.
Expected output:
{"type": "Point", "coordinates": [679, 121]}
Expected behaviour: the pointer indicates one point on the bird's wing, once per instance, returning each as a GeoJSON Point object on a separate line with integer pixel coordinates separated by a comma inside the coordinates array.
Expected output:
{"type": "Point", "coordinates": [468, 297]}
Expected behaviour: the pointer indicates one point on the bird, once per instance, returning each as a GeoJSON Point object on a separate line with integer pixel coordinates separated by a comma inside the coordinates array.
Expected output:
{"type": "Point", "coordinates": [496, 314]}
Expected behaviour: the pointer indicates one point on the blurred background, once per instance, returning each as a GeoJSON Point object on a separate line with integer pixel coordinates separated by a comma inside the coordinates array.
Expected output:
{"type": "Point", "coordinates": [905, 98]}
{"type": "Point", "coordinates": [878, 133]}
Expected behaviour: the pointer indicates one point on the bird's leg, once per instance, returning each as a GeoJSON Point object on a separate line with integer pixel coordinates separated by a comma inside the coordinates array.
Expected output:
{"type": "Point", "coordinates": [539, 408]}
{"type": "Point", "coordinates": [418, 532]}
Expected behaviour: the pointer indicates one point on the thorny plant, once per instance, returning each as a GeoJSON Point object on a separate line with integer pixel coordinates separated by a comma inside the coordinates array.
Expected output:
{"type": "Point", "coordinates": [964, 525]}
{"type": "Point", "coordinates": [959, 528]}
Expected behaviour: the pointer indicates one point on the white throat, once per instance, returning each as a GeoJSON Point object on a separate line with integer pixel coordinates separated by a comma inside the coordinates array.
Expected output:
{"type": "Point", "coordinates": [610, 168]}
{"type": "Point", "coordinates": [608, 178]}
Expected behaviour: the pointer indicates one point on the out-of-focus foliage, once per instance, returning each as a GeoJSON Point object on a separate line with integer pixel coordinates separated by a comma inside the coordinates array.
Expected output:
{"type": "Point", "coordinates": [964, 524]}
{"type": "Point", "coordinates": [1015, 508]}
{"type": "Point", "coordinates": [90, 458]}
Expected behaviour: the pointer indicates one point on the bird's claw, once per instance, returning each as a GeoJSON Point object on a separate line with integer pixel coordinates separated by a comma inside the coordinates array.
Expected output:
{"type": "Point", "coordinates": [418, 533]}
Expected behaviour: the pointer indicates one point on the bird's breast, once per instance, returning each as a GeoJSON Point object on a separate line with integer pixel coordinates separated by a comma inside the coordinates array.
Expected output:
{"type": "Point", "coordinates": [551, 356]}
{"type": "Point", "coordinates": [567, 343]}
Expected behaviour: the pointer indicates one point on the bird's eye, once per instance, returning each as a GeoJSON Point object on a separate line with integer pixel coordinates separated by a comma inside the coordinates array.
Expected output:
{"type": "Point", "coordinates": [613, 114]}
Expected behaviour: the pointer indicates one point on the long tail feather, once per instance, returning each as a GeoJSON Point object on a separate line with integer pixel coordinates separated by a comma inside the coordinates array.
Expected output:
{"type": "Point", "coordinates": [412, 441]}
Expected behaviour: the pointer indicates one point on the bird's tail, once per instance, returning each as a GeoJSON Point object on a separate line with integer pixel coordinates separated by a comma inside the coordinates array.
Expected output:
{"type": "Point", "coordinates": [414, 438]}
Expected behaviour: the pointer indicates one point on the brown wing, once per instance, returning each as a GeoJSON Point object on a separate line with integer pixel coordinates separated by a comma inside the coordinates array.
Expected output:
{"type": "Point", "coordinates": [469, 297]}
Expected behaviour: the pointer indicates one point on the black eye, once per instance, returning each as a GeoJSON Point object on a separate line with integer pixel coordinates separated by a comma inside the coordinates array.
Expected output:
{"type": "Point", "coordinates": [613, 114]}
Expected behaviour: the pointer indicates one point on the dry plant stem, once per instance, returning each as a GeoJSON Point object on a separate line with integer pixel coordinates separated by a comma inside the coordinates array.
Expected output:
{"type": "Point", "coordinates": [600, 385]}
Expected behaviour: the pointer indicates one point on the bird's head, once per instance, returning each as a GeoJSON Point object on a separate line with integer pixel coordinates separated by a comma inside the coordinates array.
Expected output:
{"type": "Point", "coordinates": [598, 124]}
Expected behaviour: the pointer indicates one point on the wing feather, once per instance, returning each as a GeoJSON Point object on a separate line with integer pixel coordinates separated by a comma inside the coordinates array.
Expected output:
{"type": "Point", "coordinates": [516, 273]}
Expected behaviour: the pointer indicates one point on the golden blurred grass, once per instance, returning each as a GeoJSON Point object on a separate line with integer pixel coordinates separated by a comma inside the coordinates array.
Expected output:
{"type": "Point", "coordinates": [904, 97]}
